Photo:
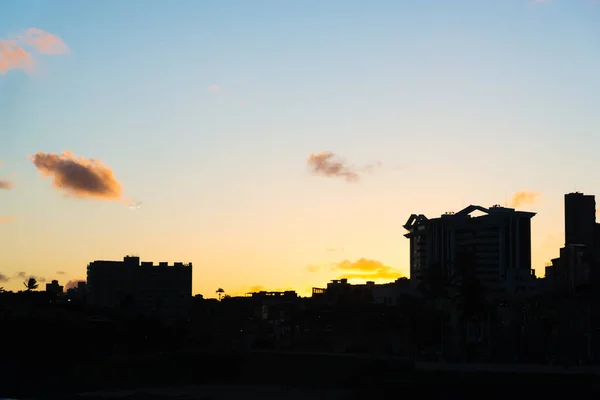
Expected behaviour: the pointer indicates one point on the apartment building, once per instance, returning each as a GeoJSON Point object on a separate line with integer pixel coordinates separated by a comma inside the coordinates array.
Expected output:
{"type": "Point", "coordinates": [495, 245]}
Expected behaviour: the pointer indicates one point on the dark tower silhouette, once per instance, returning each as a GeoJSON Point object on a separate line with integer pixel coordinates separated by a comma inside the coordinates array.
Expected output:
{"type": "Point", "coordinates": [580, 219]}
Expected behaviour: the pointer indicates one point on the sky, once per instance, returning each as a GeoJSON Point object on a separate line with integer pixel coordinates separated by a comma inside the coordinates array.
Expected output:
{"type": "Point", "coordinates": [284, 144]}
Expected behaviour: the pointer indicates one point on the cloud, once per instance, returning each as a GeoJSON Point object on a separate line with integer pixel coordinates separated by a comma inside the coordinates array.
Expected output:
{"type": "Point", "coordinates": [60, 272]}
{"type": "Point", "coordinates": [259, 288]}
{"type": "Point", "coordinates": [329, 164]}
{"type": "Point", "coordinates": [78, 176]}
{"type": "Point", "coordinates": [13, 56]}
{"type": "Point", "coordinates": [214, 88]}
{"type": "Point", "coordinates": [6, 184]}
{"type": "Point", "coordinates": [134, 206]}
{"type": "Point", "coordinates": [524, 198]}
{"type": "Point", "coordinates": [44, 42]}
{"type": "Point", "coordinates": [25, 275]}
{"type": "Point", "coordinates": [72, 284]}
{"type": "Point", "coordinates": [4, 278]}
{"type": "Point", "coordinates": [6, 220]}
{"type": "Point", "coordinates": [363, 269]}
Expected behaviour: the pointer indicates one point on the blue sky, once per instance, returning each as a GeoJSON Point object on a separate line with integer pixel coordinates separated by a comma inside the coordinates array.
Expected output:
{"type": "Point", "coordinates": [462, 101]}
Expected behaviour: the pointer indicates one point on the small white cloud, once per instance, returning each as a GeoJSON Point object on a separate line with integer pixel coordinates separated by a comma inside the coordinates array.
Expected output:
{"type": "Point", "coordinates": [214, 88]}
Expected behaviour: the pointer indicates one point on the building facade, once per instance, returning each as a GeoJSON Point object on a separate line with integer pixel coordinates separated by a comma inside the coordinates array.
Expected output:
{"type": "Point", "coordinates": [54, 288]}
{"type": "Point", "coordinates": [579, 260]}
{"type": "Point", "coordinates": [580, 219]}
{"type": "Point", "coordinates": [495, 247]}
{"type": "Point", "coordinates": [162, 290]}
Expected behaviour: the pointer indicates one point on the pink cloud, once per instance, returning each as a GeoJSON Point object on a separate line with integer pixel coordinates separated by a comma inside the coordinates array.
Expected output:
{"type": "Point", "coordinates": [44, 42]}
{"type": "Point", "coordinates": [13, 56]}
{"type": "Point", "coordinates": [78, 176]}
{"type": "Point", "coordinates": [6, 184]}
{"type": "Point", "coordinates": [326, 163]}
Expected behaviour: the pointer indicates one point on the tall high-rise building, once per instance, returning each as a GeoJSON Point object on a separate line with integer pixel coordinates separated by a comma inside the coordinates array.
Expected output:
{"type": "Point", "coordinates": [580, 219]}
{"type": "Point", "coordinates": [579, 261]}
{"type": "Point", "coordinates": [161, 290]}
{"type": "Point", "coordinates": [495, 246]}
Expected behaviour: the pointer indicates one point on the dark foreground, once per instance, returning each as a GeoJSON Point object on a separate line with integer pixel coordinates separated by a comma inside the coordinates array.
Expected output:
{"type": "Point", "coordinates": [265, 376]}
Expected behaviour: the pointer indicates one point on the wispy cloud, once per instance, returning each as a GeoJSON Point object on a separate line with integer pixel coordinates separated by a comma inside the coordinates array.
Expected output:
{"type": "Point", "coordinates": [6, 220]}
{"type": "Point", "coordinates": [362, 268]}
{"type": "Point", "coordinates": [60, 272]}
{"type": "Point", "coordinates": [73, 283]}
{"type": "Point", "coordinates": [329, 164]}
{"type": "Point", "coordinates": [78, 176]}
{"type": "Point", "coordinates": [214, 88]}
{"type": "Point", "coordinates": [44, 42]}
{"type": "Point", "coordinates": [524, 198]}
{"type": "Point", "coordinates": [259, 288]}
{"type": "Point", "coordinates": [25, 275]}
{"type": "Point", "coordinates": [134, 206]}
{"type": "Point", "coordinates": [4, 184]}
{"type": "Point", "coordinates": [4, 278]}
{"type": "Point", "coordinates": [15, 56]}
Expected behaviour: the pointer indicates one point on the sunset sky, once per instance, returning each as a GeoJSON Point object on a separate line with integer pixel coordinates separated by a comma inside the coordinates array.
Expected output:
{"type": "Point", "coordinates": [225, 120]}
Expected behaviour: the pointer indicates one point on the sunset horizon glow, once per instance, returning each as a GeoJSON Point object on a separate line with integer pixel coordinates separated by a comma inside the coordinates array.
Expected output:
{"type": "Point", "coordinates": [278, 146]}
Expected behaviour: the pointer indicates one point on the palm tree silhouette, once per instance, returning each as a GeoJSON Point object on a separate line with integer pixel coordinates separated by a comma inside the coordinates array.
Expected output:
{"type": "Point", "coordinates": [31, 284]}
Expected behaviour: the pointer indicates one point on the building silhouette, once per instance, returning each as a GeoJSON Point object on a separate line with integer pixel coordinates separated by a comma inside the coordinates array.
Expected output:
{"type": "Point", "coordinates": [496, 245]}
{"type": "Point", "coordinates": [54, 288]}
{"type": "Point", "coordinates": [580, 219]}
{"type": "Point", "coordinates": [161, 290]}
{"type": "Point", "coordinates": [579, 259]}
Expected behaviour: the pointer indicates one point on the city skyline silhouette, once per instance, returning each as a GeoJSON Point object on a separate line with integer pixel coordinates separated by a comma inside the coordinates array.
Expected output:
{"type": "Point", "coordinates": [256, 153]}
{"type": "Point", "coordinates": [316, 199]}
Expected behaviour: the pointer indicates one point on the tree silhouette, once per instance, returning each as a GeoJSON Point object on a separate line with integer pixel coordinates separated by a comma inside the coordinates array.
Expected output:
{"type": "Point", "coordinates": [2, 290]}
{"type": "Point", "coordinates": [220, 293]}
{"type": "Point", "coordinates": [31, 284]}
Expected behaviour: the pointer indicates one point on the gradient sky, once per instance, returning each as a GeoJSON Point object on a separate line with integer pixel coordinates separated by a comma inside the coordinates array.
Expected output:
{"type": "Point", "coordinates": [206, 112]}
